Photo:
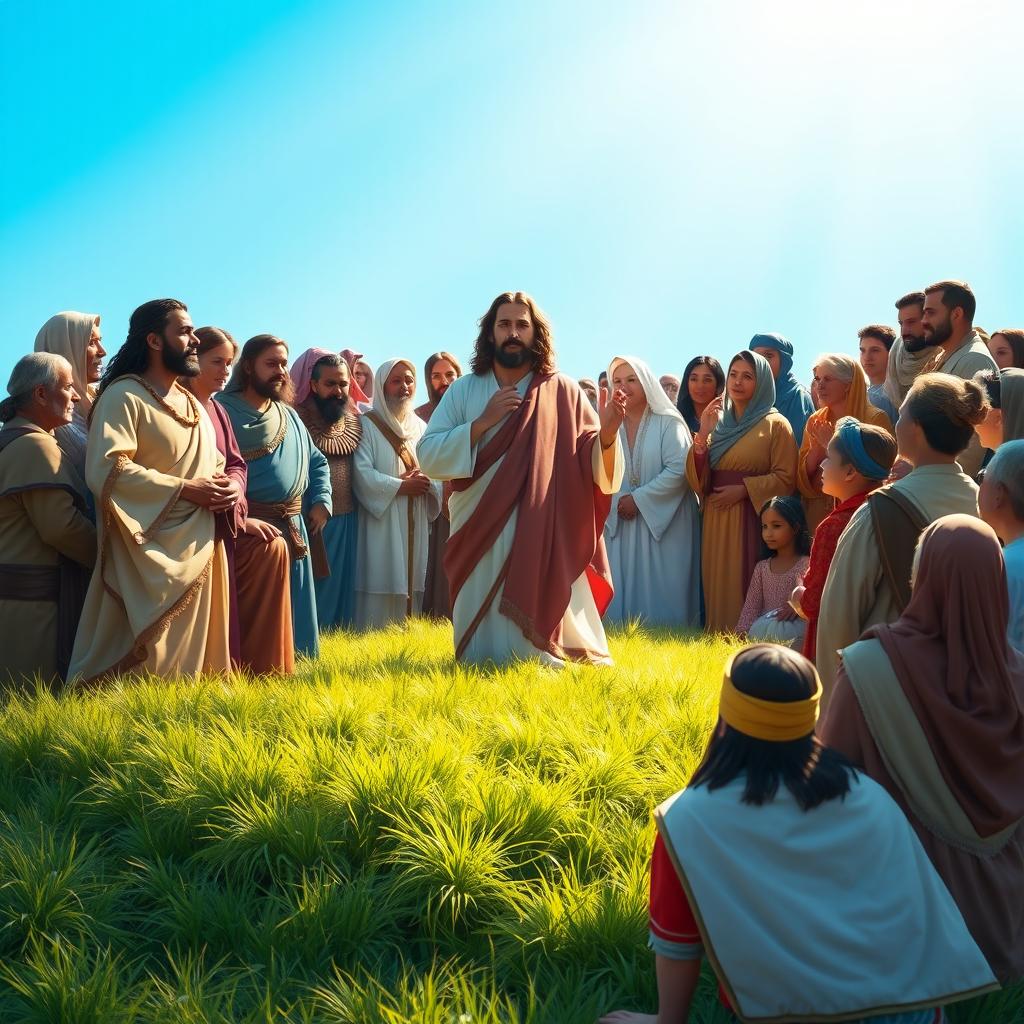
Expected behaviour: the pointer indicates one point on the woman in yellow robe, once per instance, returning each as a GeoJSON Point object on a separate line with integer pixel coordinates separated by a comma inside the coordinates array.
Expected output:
{"type": "Point", "coordinates": [843, 391]}
{"type": "Point", "coordinates": [744, 454]}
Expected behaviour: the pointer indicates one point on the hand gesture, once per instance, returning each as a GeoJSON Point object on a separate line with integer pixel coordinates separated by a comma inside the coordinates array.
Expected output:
{"type": "Point", "coordinates": [414, 483]}
{"type": "Point", "coordinates": [710, 416]}
{"type": "Point", "coordinates": [612, 413]}
{"type": "Point", "coordinates": [504, 401]}
{"type": "Point", "coordinates": [261, 529]}
{"type": "Point", "coordinates": [785, 613]}
{"type": "Point", "coordinates": [318, 518]}
{"type": "Point", "coordinates": [218, 493]}
{"type": "Point", "coordinates": [796, 600]}
{"type": "Point", "coordinates": [821, 433]}
{"type": "Point", "coordinates": [726, 496]}
{"type": "Point", "coordinates": [627, 507]}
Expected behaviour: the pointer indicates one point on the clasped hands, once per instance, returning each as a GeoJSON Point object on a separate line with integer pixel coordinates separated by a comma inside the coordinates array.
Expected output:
{"type": "Point", "coordinates": [218, 493]}
{"type": "Point", "coordinates": [414, 483]}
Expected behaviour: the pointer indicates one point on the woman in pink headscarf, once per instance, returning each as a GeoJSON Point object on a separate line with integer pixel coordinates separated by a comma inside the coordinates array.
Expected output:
{"type": "Point", "coordinates": [361, 388]}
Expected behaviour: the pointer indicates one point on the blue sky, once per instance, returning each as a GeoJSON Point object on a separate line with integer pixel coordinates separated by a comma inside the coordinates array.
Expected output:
{"type": "Point", "coordinates": [666, 178]}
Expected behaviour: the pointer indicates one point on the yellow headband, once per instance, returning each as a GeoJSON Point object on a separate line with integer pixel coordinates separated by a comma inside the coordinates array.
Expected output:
{"type": "Point", "coordinates": [767, 719]}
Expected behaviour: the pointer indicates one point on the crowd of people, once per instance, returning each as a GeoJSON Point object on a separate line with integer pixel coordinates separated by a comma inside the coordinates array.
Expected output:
{"type": "Point", "coordinates": [194, 506]}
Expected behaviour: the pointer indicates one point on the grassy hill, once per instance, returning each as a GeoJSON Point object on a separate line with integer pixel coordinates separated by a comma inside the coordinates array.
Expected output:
{"type": "Point", "coordinates": [383, 838]}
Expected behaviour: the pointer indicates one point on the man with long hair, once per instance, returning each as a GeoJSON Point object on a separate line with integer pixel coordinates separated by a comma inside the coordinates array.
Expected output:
{"type": "Point", "coordinates": [533, 468]}
{"type": "Point", "coordinates": [158, 600]}
{"type": "Point", "coordinates": [287, 474]}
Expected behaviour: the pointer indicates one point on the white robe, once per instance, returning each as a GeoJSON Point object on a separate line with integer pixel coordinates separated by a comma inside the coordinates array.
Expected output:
{"type": "Point", "coordinates": [445, 453]}
{"type": "Point", "coordinates": [655, 558]}
{"type": "Point", "coordinates": [382, 567]}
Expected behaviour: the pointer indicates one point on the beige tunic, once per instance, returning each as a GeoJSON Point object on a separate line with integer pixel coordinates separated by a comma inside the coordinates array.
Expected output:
{"type": "Point", "coordinates": [158, 600]}
{"type": "Point", "coordinates": [39, 522]}
{"type": "Point", "coordinates": [857, 594]}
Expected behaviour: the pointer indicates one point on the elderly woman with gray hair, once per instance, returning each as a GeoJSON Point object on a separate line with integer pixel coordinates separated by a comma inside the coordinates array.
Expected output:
{"type": "Point", "coordinates": [842, 390]}
{"type": "Point", "coordinates": [47, 544]}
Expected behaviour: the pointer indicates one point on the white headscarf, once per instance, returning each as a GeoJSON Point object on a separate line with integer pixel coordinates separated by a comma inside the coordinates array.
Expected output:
{"type": "Point", "coordinates": [67, 334]}
{"type": "Point", "coordinates": [657, 401]}
{"type": "Point", "coordinates": [407, 429]}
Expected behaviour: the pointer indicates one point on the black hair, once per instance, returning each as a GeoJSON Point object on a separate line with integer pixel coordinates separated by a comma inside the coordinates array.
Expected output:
{"type": "Point", "coordinates": [332, 360]}
{"type": "Point", "coordinates": [684, 403]}
{"type": "Point", "coordinates": [812, 772]}
{"type": "Point", "coordinates": [992, 385]}
{"type": "Point", "coordinates": [133, 355]}
{"type": "Point", "coordinates": [792, 510]}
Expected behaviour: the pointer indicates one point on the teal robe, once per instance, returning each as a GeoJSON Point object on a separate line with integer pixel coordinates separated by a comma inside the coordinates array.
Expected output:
{"type": "Point", "coordinates": [294, 468]}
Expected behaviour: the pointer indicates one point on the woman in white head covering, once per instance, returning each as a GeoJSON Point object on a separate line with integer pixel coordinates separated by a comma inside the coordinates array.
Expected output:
{"type": "Point", "coordinates": [653, 531]}
{"type": "Point", "coordinates": [76, 337]}
{"type": "Point", "coordinates": [399, 502]}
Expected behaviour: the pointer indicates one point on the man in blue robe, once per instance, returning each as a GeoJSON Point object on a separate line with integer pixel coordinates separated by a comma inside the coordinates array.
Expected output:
{"type": "Point", "coordinates": [287, 472]}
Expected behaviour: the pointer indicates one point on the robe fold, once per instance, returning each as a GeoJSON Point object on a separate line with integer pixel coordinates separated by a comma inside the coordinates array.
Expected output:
{"type": "Point", "coordinates": [47, 549]}
{"type": "Point", "coordinates": [857, 594]}
{"type": "Point", "coordinates": [389, 550]}
{"type": "Point", "coordinates": [764, 461]}
{"type": "Point", "coordinates": [483, 630]}
{"type": "Point", "coordinates": [158, 599]}
{"type": "Point", "coordinates": [655, 558]}
{"type": "Point", "coordinates": [286, 473]}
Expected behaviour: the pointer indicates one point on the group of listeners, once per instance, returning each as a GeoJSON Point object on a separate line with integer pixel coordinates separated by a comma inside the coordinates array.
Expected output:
{"type": "Point", "coordinates": [199, 506]}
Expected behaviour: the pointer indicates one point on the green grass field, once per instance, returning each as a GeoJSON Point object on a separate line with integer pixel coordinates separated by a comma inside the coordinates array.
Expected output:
{"type": "Point", "coordinates": [384, 838]}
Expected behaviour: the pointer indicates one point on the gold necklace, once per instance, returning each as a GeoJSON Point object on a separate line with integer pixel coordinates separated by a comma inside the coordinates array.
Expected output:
{"type": "Point", "coordinates": [169, 409]}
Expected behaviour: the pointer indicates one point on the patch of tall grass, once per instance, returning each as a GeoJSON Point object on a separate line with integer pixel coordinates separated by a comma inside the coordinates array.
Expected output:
{"type": "Point", "coordinates": [384, 838]}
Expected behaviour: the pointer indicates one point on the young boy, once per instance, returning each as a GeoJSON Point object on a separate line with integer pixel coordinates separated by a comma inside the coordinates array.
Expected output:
{"type": "Point", "coordinates": [859, 460]}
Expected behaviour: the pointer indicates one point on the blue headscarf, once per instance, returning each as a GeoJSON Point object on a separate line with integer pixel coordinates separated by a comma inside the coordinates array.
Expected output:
{"type": "Point", "coordinates": [791, 398]}
{"type": "Point", "coordinates": [729, 429]}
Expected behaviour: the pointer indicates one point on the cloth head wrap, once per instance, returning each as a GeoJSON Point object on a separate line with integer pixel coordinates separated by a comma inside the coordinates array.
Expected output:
{"type": "Point", "coordinates": [301, 372]}
{"type": "Point", "coordinates": [355, 392]}
{"type": "Point", "coordinates": [849, 437]}
{"type": "Point", "coordinates": [775, 721]}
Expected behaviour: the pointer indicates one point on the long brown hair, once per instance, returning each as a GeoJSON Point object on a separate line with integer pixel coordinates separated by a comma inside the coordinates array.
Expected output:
{"type": "Point", "coordinates": [213, 337]}
{"type": "Point", "coordinates": [251, 351]}
{"type": "Point", "coordinates": [543, 343]}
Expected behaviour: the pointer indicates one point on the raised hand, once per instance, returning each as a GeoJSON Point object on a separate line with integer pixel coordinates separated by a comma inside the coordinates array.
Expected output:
{"type": "Point", "coordinates": [709, 417]}
{"type": "Point", "coordinates": [504, 401]}
{"type": "Point", "coordinates": [612, 413]}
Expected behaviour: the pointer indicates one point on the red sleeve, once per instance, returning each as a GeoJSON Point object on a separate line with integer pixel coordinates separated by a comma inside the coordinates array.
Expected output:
{"type": "Point", "coordinates": [823, 549]}
{"type": "Point", "coordinates": [671, 916]}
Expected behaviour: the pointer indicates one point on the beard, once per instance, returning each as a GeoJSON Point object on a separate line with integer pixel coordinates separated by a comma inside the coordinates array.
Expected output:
{"type": "Point", "coordinates": [277, 389]}
{"type": "Point", "coordinates": [940, 333]}
{"type": "Point", "coordinates": [515, 358]}
{"type": "Point", "coordinates": [912, 344]}
{"type": "Point", "coordinates": [184, 364]}
{"type": "Point", "coordinates": [400, 408]}
{"type": "Point", "coordinates": [330, 409]}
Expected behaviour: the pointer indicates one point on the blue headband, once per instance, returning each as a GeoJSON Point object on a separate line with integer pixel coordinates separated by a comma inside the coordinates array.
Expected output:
{"type": "Point", "coordinates": [849, 437]}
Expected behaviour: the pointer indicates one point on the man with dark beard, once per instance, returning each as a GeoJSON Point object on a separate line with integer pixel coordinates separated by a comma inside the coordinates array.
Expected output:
{"type": "Point", "coordinates": [158, 599]}
{"type": "Point", "coordinates": [911, 352]}
{"type": "Point", "coordinates": [533, 468]}
{"type": "Point", "coordinates": [287, 472]}
{"type": "Point", "coordinates": [335, 427]}
{"type": "Point", "coordinates": [948, 323]}
{"type": "Point", "coordinates": [442, 370]}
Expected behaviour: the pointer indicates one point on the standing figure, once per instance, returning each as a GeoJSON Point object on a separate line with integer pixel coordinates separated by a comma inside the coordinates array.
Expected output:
{"type": "Point", "coordinates": [47, 545]}
{"type": "Point", "coordinates": [533, 467]}
{"type": "Point", "coordinates": [397, 503]}
{"type": "Point", "coordinates": [336, 428]}
{"type": "Point", "coordinates": [743, 455]}
{"type": "Point", "coordinates": [843, 391]}
{"type": "Point", "coordinates": [441, 372]}
{"type": "Point", "coordinates": [287, 473]}
{"type": "Point", "coordinates": [259, 564]}
{"type": "Point", "coordinates": [158, 600]}
{"type": "Point", "coordinates": [702, 382]}
{"type": "Point", "coordinates": [791, 398]}
{"type": "Point", "coordinates": [76, 337]}
{"type": "Point", "coordinates": [653, 529]}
